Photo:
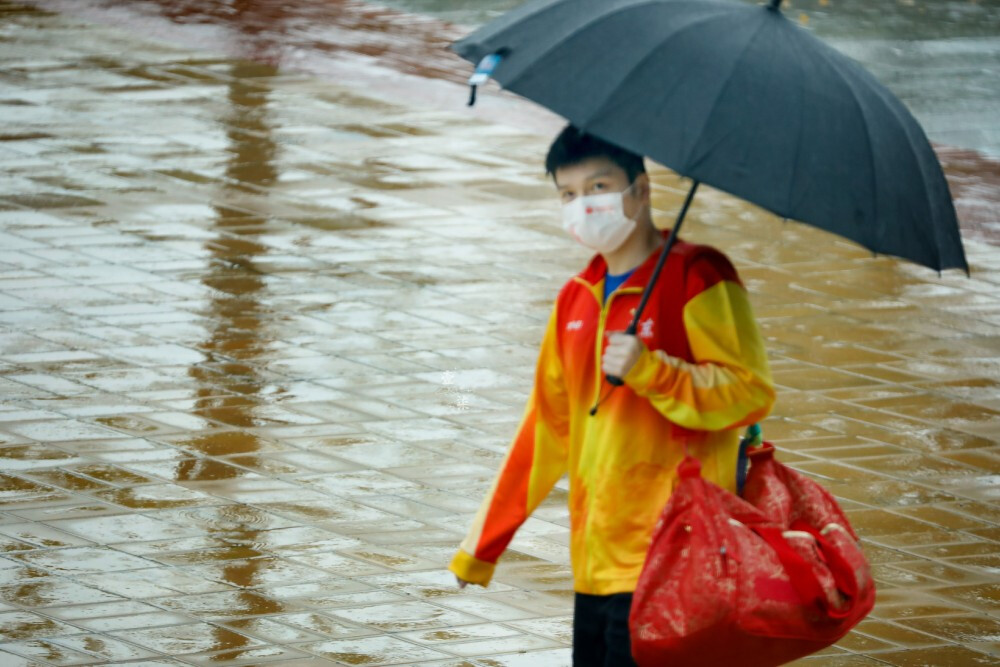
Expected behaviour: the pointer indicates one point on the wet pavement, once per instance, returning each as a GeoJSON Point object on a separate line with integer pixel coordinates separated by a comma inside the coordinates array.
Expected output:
{"type": "Point", "coordinates": [264, 337]}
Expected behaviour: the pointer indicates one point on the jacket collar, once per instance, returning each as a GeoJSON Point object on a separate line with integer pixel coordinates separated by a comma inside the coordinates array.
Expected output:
{"type": "Point", "coordinates": [598, 266]}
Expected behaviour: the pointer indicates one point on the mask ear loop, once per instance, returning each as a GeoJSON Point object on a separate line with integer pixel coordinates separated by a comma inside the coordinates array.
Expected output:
{"type": "Point", "coordinates": [630, 186]}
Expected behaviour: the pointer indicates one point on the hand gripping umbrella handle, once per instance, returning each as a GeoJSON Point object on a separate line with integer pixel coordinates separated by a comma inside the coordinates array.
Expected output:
{"type": "Point", "coordinates": [613, 380]}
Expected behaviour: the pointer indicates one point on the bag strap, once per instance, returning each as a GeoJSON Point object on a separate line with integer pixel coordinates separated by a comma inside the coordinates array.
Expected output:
{"type": "Point", "coordinates": [753, 437]}
{"type": "Point", "coordinates": [802, 576]}
{"type": "Point", "coordinates": [841, 570]}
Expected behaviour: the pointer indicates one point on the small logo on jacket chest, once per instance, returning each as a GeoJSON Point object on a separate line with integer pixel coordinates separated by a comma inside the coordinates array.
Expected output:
{"type": "Point", "coordinates": [646, 328]}
{"type": "Point", "coordinates": [574, 325]}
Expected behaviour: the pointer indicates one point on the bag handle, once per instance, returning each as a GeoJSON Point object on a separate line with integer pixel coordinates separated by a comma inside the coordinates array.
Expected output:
{"type": "Point", "coordinates": [753, 437]}
{"type": "Point", "coordinates": [801, 574]}
{"type": "Point", "coordinates": [841, 570]}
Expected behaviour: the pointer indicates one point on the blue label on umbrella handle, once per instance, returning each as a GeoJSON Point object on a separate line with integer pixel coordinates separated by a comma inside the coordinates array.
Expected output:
{"type": "Point", "coordinates": [484, 70]}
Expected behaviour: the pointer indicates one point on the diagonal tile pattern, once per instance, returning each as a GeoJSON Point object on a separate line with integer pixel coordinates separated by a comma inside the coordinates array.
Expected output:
{"type": "Point", "coordinates": [263, 340]}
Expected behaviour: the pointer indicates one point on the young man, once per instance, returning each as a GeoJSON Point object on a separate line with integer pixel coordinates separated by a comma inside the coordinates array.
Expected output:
{"type": "Point", "coordinates": [695, 373]}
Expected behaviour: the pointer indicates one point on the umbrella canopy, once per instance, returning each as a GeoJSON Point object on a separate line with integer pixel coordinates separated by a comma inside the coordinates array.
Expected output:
{"type": "Point", "coordinates": [738, 97]}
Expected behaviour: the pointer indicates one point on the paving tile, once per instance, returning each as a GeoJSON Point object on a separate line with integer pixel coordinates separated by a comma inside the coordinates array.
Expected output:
{"type": "Point", "coordinates": [50, 653]}
{"type": "Point", "coordinates": [837, 661]}
{"type": "Point", "coordinates": [338, 564]}
{"type": "Point", "coordinates": [248, 656]}
{"type": "Point", "coordinates": [223, 604]}
{"type": "Point", "coordinates": [555, 658]}
{"type": "Point", "coordinates": [331, 594]}
{"type": "Point", "coordinates": [461, 634]}
{"type": "Point", "coordinates": [33, 457]}
{"type": "Point", "coordinates": [84, 559]}
{"type": "Point", "coordinates": [271, 629]}
{"type": "Point", "coordinates": [104, 648]}
{"type": "Point", "coordinates": [140, 584]}
{"type": "Point", "coordinates": [178, 640]}
{"type": "Point", "coordinates": [324, 625]}
{"type": "Point", "coordinates": [383, 650]}
{"type": "Point", "coordinates": [49, 591]}
{"type": "Point", "coordinates": [23, 625]}
{"type": "Point", "coordinates": [40, 535]}
{"type": "Point", "coordinates": [403, 616]}
{"type": "Point", "coordinates": [943, 655]}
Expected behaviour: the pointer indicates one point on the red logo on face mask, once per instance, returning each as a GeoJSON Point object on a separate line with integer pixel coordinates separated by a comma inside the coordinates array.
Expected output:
{"type": "Point", "coordinates": [589, 210]}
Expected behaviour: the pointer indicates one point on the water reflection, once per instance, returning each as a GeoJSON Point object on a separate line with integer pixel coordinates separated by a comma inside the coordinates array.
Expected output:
{"type": "Point", "coordinates": [229, 390]}
{"type": "Point", "coordinates": [306, 32]}
{"type": "Point", "coordinates": [941, 57]}
{"type": "Point", "coordinates": [229, 385]}
{"type": "Point", "coordinates": [464, 12]}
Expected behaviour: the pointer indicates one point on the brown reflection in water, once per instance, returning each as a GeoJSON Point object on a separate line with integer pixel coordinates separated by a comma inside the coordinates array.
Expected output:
{"type": "Point", "coordinates": [974, 180]}
{"type": "Point", "coordinates": [229, 385]}
{"type": "Point", "coordinates": [275, 29]}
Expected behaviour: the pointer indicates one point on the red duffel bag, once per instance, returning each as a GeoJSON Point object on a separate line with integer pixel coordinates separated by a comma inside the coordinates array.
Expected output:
{"type": "Point", "coordinates": [754, 581]}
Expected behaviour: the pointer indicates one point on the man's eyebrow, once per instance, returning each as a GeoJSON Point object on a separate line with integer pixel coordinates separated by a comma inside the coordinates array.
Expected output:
{"type": "Point", "coordinates": [590, 177]}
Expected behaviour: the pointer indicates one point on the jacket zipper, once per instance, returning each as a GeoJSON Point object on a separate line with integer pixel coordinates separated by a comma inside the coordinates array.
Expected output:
{"type": "Point", "coordinates": [599, 347]}
{"type": "Point", "coordinates": [599, 381]}
{"type": "Point", "coordinates": [599, 344]}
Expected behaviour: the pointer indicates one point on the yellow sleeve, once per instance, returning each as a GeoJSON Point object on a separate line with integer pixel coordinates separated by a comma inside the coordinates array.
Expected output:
{"type": "Point", "coordinates": [729, 384]}
{"type": "Point", "coordinates": [537, 458]}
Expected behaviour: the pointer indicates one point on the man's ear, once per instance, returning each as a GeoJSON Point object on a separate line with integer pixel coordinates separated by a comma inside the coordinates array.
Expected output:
{"type": "Point", "coordinates": [642, 188]}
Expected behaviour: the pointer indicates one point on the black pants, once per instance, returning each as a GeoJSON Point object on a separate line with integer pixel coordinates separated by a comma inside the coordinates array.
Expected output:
{"type": "Point", "coordinates": [600, 631]}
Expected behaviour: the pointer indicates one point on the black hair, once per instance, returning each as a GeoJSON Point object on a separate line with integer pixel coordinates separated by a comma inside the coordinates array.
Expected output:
{"type": "Point", "coordinates": [573, 147]}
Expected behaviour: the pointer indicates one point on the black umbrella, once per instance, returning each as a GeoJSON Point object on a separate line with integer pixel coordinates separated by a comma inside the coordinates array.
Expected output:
{"type": "Point", "coordinates": [739, 97]}
{"type": "Point", "coordinates": [736, 96]}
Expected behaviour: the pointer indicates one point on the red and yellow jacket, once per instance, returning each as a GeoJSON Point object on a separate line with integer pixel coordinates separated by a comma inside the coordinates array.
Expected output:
{"type": "Point", "coordinates": [702, 375]}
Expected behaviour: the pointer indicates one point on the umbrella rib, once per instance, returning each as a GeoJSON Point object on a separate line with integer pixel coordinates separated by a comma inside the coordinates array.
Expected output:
{"type": "Point", "coordinates": [923, 178]}
{"type": "Point", "coordinates": [790, 206]}
{"type": "Point", "coordinates": [871, 153]}
{"type": "Point", "coordinates": [880, 92]}
{"type": "Point", "coordinates": [725, 84]}
{"type": "Point", "coordinates": [604, 108]}
{"type": "Point", "coordinates": [576, 33]}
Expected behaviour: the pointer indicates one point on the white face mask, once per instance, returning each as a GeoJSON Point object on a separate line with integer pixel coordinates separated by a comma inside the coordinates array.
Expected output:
{"type": "Point", "coordinates": [598, 221]}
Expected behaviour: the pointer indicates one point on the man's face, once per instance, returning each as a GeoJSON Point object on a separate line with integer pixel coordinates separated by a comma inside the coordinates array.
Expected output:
{"type": "Point", "coordinates": [597, 176]}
